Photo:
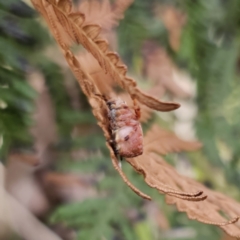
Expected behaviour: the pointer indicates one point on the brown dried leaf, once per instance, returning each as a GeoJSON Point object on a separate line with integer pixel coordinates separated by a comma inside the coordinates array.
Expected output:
{"type": "Point", "coordinates": [46, 9]}
{"type": "Point", "coordinates": [120, 6]}
{"type": "Point", "coordinates": [113, 57]}
{"type": "Point", "coordinates": [92, 31]}
{"type": "Point", "coordinates": [160, 69]}
{"type": "Point", "coordinates": [213, 210]}
{"type": "Point", "coordinates": [99, 109]}
{"type": "Point", "coordinates": [92, 92]}
{"type": "Point", "coordinates": [90, 65]}
{"type": "Point", "coordinates": [65, 5]}
{"type": "Point", "coordinates": [84, 37]}
{"type": "Point", "coordinates": [102, 44]}
{"type": "Point", "coordinates": [160, 175]}
{"type": "Point", "coordinates": [122, 69]}
{"type": "Point", "coordinates": [169, 142]}
{"type": "Point", "coordinates": [157, 173]}
{"type": "Point", "coordinates": [103, 13]}
{"type": "Point", "coordinates": [77, 17]}
{"type": "Point", "coordinates": [154, 103]}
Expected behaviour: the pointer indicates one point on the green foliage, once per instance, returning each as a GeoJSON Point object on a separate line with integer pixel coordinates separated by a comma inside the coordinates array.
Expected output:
{"type": "Point", "coordinates": [138, 25]}
{"type": "Point", "coordinates": [17, 104]}
{"type": "Point", "coordinates": [22, 40]}
{"type": "Point", "coordinates": [65, 116]}
{"type": "Point", "coordinates": [105, 216]}
{"type": "Point", "coordinates": [18, 39]}
{"type": "Point", "coordinates": [210, 51]}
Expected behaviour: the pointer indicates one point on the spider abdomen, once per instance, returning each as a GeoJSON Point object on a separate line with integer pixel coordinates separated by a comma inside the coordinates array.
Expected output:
{"type": "Point", "coordinates": [125, 128]}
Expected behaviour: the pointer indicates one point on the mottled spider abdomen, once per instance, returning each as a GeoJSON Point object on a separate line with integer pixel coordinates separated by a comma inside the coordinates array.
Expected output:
{"type": "Point", "coordinates": [126, 131]}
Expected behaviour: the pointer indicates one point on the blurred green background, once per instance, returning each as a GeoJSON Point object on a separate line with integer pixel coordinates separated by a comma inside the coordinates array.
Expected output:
{"type": "Point", "coordinates": [43, 112]}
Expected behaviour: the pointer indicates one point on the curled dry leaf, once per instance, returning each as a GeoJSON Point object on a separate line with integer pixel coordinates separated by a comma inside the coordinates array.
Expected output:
{"type": "Point", "coordinates": [87, 84]}
{"type": "Point", "coordinates": [105, 84]}
{"type": "Point", "coordinates": [157, 173]}
{"type": "Point", "coordinates": [99, 109]}
{"type": "Point", "coordinates": [88, 37]}
{"type": "Point", "coordinates": [150, 171]}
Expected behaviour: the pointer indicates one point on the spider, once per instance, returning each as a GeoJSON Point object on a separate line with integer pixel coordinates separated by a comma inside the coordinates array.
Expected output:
{"type": "Point", "coordinates": [126, 136]}
{"type": "Point", "coordinates": [126, 130]}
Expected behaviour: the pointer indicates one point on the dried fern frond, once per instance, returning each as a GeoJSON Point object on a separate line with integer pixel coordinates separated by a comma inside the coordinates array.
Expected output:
{"type": "Point", "coordinates": [90, 90]}
{"type": "Point", "coordinates": [103, 13]}
{"type": "Point", "coordinates": [157, 173]}
{"type": "Point", "coordinates": [160, 70]}
{"type": "Point", "coordinates": [86, 82]}
{"type": "Point", "coordinates": [152, 174]}
{"type": "Point", "coordinates": [215, 209]}
{"type": "Point", "coordinates": [60, 16]}
{"type": "Point", "coordinates": [169, 142]}
{"type": "Point", "coordinates": [99, 109]}
{"type": "Point", "coordinates": [105, 84]}
{"type": "Point", "coordinates": [102, 80]}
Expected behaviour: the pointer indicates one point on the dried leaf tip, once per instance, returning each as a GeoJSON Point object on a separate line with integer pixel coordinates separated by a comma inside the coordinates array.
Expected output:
{"type": "Point", "coordinates": [77, 17]}
{"type": "Point", "coordinates": [64, 5]}
{"type": "Point", "coordinates": [92, 30]}
{"type": "Point", "coordinates": [102, 44]}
